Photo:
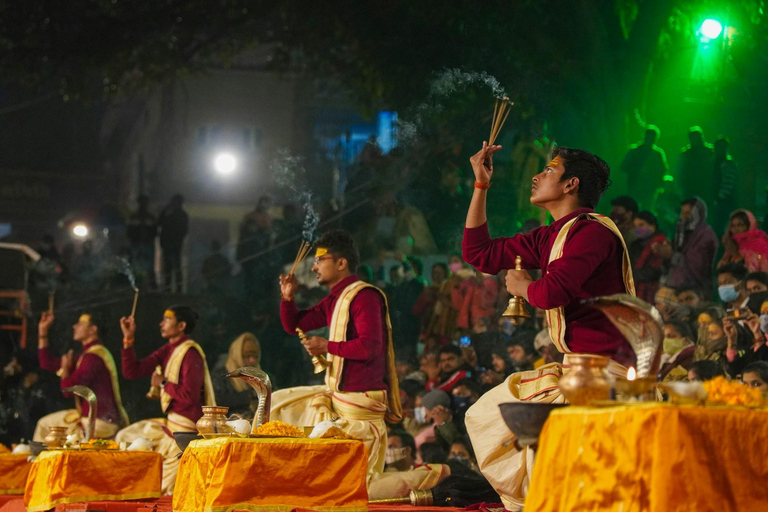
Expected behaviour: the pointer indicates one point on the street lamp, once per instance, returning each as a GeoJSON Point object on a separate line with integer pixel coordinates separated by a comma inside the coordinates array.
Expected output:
{"type": "Point", "coordinates": [80, 230]}
{"type": "Point", "coordinates": [225, 163]}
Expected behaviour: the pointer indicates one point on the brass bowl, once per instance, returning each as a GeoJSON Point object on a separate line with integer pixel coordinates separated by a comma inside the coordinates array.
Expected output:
{"type": "Point", "coordinates": [638, 388]}
{"type": "Point", "coordinates": [526, 419]}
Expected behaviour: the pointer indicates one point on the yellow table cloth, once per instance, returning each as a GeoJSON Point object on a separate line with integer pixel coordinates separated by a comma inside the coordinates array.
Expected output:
{"type": "Point", "coordinates": [68, 476]}
{"type": "Point", "coordinates": [13, 473]}
{"type": "Point", "coordinates": [652, 457]}
{"type": "Point", "coordinates": [272, 474]}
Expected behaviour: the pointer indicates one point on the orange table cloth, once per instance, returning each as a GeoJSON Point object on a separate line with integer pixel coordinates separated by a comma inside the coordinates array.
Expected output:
{"type": "Point", "coordinates": [651, 457]}
{"type": "Point", "coordinates": [68, 476]}
{"type": "Point", "coordinates": [272, 474]}
{"type": "Point", "coordinates": [13, 473]}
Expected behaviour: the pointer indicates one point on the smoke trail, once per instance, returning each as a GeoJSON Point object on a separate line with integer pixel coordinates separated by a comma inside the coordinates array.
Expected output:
{"type": "Point", "coordinates": [290, 173]}
{"type": "Point", "coordinates": [122, 266]}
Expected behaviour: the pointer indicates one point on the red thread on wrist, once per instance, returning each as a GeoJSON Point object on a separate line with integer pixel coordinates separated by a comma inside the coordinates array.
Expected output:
{"type": "Point", "coordinates": [482, 186]}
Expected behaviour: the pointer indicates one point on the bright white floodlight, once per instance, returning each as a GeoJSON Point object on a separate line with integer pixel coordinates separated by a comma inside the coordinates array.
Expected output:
{"type": "Point", "coordinates": [224, 163]}
{"type": "Point", "coordinates": [80, 230]}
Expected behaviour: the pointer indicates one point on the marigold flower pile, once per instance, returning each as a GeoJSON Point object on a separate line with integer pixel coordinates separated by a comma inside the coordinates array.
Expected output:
{"type": "Point", "coordinates": [278, 428]}
{"type": "Point", "coordinates": [722, 391]}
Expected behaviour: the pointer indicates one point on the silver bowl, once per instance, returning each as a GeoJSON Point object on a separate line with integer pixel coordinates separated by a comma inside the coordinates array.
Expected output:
{"type": "Point", "coordinates": [526, 419]}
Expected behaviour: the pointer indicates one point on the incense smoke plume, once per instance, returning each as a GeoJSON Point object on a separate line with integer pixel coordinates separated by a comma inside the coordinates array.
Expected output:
{"type": "Point", "coordinates": [291, 174]}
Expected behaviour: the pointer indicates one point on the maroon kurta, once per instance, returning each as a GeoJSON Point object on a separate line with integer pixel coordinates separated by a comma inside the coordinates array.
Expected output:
{"type": "Point", "coordinates": [93, 374]}
{"type": "Point", "coordinates": [188, 396]}
{"type": "Point", "coordinates": [591, 266]}
{"type": "Point", "coordinates": [365, 351]}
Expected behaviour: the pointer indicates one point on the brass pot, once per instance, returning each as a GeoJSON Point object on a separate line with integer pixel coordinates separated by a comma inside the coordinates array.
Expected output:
{"type": "Point", "coordinates": [213, 421]}
{"type": "Point", "coordinates": [587, 380]}
{"type": "Point", "coordinates": [56, 437]}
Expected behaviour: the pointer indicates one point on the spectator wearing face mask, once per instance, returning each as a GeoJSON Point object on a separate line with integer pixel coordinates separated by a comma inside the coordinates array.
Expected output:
{"type": "Point", "coordinates": [757, 282]}
{"type": "Point", "coordinates": [401, 451]}
{"type": "Point", "coordinates": [461, 451]}
{"type": "Point", "coordinates": [623, 211]}
{"type": "Point", "coordinates": [678, 347]}
{"type": "Point", "coordinates": [709, 336]}
{"type": "Point", "coordinates": [437, 405]}
{"type": "Point", "coordinates": [717, 342]}
{"type": "Point", "coordinates": [647, 266]}
{"type": "Point", "coordinates": [755, 375]}
{"type": "Point", "coordinates": [740, 357]}
{"type": "Point", "coordinates": [465, 394]}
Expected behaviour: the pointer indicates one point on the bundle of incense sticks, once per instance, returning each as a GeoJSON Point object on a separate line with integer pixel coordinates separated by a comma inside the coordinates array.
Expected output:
{"type": "Point", "coordinates": [50, 301]}
{"type": "Point", "coordinates": [500, 113]}
{"type": "Point", "coordinates": [135, 301]}
{"type": "Point", "coordinates": [303, 251]}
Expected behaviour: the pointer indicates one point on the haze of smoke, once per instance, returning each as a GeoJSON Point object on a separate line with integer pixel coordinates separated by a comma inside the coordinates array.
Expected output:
{"type": "Point", "coordinates": [447, 83]}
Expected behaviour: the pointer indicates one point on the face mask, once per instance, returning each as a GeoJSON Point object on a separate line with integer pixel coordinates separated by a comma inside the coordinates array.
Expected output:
{"type": "Point", "coordinates": [508, 328]}
{"type": "Point", "coordinates": [460, 402]}
{"type": "Point", "coordinates": [643, 232]}
{"type": "Point", "coordinates": [455, 267]}
{"type": "Point", "coordinates": [460, 460]}
{"type": "Point", "coordinates": [764, 324]}
{"type": "Point", "coordinates": [728, 292]}
{"type": "Point", "coordinates": [419, 348]}
{"type": "Point", "coordinates": [394, 454]}
{"type": "Point", "coordinates": [420, 414]}
{"type": "Point", "coordinates": [756, 300]}
{"type": "Point", "coordinates": [673, 345]}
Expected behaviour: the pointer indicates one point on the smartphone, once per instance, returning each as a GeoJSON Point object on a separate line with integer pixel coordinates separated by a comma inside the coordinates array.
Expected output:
{"type": "Point", "coordinates": [464, 341]}
{"type": "Point", "coordinates": [737, 313]}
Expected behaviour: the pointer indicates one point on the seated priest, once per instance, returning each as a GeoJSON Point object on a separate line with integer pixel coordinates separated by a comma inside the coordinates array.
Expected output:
{"type": "Point", "coordinates": [183, 379]}
{"type": "Point", "coordinates": [93, 368]}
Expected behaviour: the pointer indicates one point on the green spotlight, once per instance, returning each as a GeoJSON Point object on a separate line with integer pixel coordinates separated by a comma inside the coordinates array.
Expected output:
{"type": "Point", "coordinates": [710, 29]}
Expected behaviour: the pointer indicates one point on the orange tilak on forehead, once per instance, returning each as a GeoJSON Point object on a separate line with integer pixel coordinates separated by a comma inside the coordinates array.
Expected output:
{"type": "Point", "coordinates": [86, 319]}
{"type": "Point", "coordinates": [169, 314]}
{"type": "Point", "coordinates": [320, 251]}
{"type": "Point", "coordinates": [555, 162]}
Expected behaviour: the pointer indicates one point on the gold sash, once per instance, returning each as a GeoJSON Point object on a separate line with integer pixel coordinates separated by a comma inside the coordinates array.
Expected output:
{"type": "Point", "coordinates": [104, 354]}
{"type": "Point", "coordinates": [556, 316]}
{"type": "Point", "coordinates": [338, 332]}
{"type": "Point", "coordinates": [173, 370]}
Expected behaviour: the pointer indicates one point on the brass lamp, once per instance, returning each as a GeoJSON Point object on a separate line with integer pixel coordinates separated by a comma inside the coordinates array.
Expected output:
{"type": "Point", "coordinates": [319, 362]}
{"type": "Point", "coordinates": [516, 307]}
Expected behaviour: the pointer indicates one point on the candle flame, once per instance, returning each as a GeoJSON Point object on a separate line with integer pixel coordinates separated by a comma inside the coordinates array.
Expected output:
{"type": "Point", "coordinates": [631, 374]}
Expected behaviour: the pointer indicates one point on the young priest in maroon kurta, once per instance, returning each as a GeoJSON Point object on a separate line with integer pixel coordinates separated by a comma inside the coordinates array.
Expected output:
{"type": "Point", "coordinates": [87, 370]}
{"type": "Point", "coordinates": [365, 350]}
{"type": "Point", "coordinates": [187, 396]}
{"type": "Point", "coordinates": [591, 265]}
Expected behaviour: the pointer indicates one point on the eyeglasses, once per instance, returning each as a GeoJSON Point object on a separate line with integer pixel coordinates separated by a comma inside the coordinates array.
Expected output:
{"type": "Point", "coordinates": [321, 258]}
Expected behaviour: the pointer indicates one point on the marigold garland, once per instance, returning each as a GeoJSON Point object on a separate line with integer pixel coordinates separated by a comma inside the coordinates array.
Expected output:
{"type": "Point", "coordinates": [722, 391]}
{"type": "Point", "coordinates": [278, 428]}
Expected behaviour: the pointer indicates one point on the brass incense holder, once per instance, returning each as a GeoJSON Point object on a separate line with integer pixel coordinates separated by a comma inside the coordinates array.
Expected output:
{"type": "Point", "coordinates": [154, 391]}
{"type": "Point", "coordinates": [319, 362]}
{"type": "Point", "coordinates": [516, 307]}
